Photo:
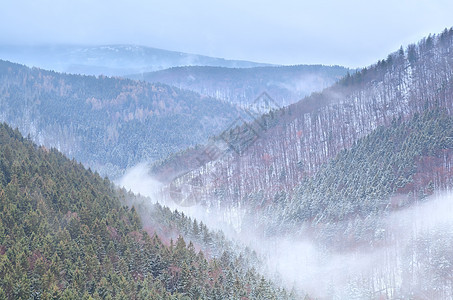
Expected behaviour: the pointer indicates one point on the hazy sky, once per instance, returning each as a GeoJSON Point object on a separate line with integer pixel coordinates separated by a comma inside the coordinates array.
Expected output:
{"type": "Point", "coordinates": [346, 32]}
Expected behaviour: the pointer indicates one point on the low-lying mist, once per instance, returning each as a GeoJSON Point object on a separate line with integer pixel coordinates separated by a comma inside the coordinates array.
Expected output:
{"type": "Point", "coordinates": [138, 180]}
{"type": "Point", "coordinates": [406, 253]}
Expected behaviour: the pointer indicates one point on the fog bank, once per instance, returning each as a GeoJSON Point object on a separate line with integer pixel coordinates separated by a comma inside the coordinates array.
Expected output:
{"type": "Point", "coordinates": [406, 253]}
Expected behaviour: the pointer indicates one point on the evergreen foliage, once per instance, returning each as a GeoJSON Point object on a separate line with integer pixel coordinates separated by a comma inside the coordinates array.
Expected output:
{"type": "Point", "coordinates": [65, 234]}
{"type": "Point", "coordinates": [361, 180]}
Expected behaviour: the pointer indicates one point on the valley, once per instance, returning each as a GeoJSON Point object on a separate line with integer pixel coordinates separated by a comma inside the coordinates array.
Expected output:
{"type": "Point", "coordinates": [134, 172]}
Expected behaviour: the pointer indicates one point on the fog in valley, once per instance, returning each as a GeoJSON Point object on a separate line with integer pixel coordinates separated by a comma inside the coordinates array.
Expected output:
{"type": "Point", "coordinates": [410, 253]}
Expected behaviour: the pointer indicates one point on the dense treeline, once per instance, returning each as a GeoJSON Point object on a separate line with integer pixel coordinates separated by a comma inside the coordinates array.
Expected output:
{"type": "Point", "coordinates": [66, 234]}
{"type": "Point", "coordinates": [361, 180]}
{"type": "Point", "coordinates": [107, 123]}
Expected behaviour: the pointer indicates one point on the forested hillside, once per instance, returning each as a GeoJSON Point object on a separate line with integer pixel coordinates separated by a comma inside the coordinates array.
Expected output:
{"type": "Point", "coordinates": [291, 145]}
{"type": "Point", "coordinates": [352, 184]}
{"type": "Point", "coordinates": [107, 123]}
{"type": "Point", "coordinates": [285, 84]}
{"type": "Point", "coordinates": [66, 234]}
{"type": "Point", "coordinates": [389, 169]}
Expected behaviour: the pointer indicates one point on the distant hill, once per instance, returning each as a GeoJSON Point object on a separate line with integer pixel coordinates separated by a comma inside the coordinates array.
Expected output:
{"type": "Point", "coordinates": [284, 84]}
{"type": "Point", "coordinates": [107, 123]}
{"type": "Point", "coordinates": [109, 60]}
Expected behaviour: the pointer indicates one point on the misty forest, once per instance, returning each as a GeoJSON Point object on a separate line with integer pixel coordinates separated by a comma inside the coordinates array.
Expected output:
{"type": "Point", "coordinates": [131, 172]}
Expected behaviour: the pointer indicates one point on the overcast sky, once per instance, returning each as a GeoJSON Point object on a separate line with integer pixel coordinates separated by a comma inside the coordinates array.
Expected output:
{"type": "Point", "coordinates": [352, 33]}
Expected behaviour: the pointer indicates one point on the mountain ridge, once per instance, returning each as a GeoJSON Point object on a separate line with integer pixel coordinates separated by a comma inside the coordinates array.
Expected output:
{"type": "Point", "coordinates": [109, 60]}
{"type": "Point", "coordinates": [241, 86]}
